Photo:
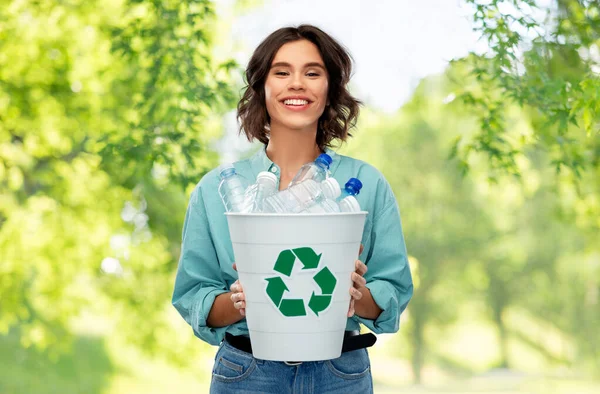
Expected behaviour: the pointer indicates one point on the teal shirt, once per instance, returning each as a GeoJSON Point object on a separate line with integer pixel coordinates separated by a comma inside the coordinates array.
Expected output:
{"type": "Point", "coordinates": [205, 265]}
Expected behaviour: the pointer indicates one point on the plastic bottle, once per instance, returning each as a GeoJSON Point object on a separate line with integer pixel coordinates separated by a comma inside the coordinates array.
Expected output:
{"type": "Point", "coordinates": [326, 206]}
{"type": "Point", "coordinates": [351, 188]}
{"type": "Point", "coordinates": [349, 204]}
{"type": "Point", "coordinates": [232, 189]}
{"type": "Point", "coordinates": [302, 196]}
{"type": "Point", "coordinates": [344, 201]}
{"type": "Point", "coordinates": [265, 186]}
{"type": "Point", "coordinates": [317, 170]}
{"type": "Point", "coordinates": [347, 201]}
{"type": "Point", "coordinates": [327, 201]}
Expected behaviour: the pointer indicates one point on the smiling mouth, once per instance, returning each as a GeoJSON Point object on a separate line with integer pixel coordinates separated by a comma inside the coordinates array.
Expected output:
{"type": "Point", "coordinates": [296, 102]}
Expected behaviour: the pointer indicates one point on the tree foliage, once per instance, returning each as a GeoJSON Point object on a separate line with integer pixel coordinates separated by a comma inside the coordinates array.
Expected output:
{"type": "Point", "coordinates": [502, 248]}
{"type": "Point", "coordinates": [546, 61]}
{"type": "Point", "coordinates": [106, 112]}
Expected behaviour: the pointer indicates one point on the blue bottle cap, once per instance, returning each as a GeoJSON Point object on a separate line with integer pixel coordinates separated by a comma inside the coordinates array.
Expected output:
{"type": "Point", "coordinates": [353, 185]}
{"type": "Point", "coordinates": [226, 170]}
{"type": "Point", "coordinates": [325, 159]}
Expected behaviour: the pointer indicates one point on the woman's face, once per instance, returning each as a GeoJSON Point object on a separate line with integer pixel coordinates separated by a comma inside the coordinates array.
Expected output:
{"type": "Point", "coordinates": [296, 87]}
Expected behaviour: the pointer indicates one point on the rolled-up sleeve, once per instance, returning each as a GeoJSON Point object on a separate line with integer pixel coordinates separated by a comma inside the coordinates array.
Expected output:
{"type": "Point", "coordinates": [199, 280]}
{"type": "Point", "coordinates": [388, 275]}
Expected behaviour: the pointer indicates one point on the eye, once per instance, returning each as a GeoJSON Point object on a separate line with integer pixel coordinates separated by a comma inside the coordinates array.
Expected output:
{"type": "Point", "coordinates": [312, 74]}
{"type": "Point", "coordinates": [281, 73]}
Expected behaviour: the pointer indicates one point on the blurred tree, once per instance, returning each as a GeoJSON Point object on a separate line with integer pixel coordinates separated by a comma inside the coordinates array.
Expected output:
{"type": "Point", "coordinates": [106, 110]}
{"type": "Point", "coordinates": [471, 241]}
{"type": "Point", "coordinates": [546, 61]}
{"type": "Point", "coordinates": [444, 225]}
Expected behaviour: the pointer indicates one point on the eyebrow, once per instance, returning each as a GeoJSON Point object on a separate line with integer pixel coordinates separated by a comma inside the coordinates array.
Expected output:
{"type": "Point", "coordinates": [307, 65]}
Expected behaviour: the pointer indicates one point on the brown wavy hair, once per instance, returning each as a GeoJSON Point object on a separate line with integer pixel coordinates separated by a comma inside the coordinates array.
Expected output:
{"type": "Point", "coordinates": [339, 115]}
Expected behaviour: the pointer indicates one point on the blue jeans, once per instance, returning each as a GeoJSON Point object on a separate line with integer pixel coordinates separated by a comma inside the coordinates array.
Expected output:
{"type": "Point", "coordinates": [236, 371]}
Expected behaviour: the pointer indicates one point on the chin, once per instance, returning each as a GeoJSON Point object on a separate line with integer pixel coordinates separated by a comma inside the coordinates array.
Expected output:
{"type": "Point", "coordinates": [302, 126]}
{"type": "Point", "coordinates": [299, 124]}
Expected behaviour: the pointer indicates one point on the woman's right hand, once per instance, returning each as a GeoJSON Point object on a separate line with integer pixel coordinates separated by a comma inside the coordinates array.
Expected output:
{"type": "Point", "coordinates": [237, 295]}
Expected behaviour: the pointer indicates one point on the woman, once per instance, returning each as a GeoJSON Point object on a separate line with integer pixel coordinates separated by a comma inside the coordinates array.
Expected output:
{"type": "Point", "coordinates": [297, 104]}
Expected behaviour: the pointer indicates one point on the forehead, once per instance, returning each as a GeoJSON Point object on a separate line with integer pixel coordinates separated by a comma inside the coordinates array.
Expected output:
{"type": "Point", "coordinates": [298, 53]}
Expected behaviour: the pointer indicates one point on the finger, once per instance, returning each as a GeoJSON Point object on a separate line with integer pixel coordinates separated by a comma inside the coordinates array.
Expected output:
{"type": "Point", "coordinates": [351, 310]}
{"type": "Point", "coordinates": [235, 297]}
{"type": "Point", "coordinates": [243, 312]}
{"type": "Point", "coordinates": [240, 305]}
{"type": "Point", "coordinates": [236, 287]}
{"type": "Point", "coordinates": [360, 267]}
{"type": "Point", "coordinates": [234, 267]}
{"type": "Point", "coordinates": [362, 247]}
{"type": "Point", "coordinates": [355, 294]}
{"type": "Point", "coordinates": [358, 280]}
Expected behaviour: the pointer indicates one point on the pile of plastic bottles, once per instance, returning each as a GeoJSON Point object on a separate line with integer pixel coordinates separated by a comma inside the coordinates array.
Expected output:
{"type": "Point", "coordinates": [312, 190]}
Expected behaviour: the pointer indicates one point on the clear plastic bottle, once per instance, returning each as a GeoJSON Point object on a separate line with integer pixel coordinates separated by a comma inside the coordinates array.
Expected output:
{"type": "Point", "coordinates": [232, 189]}
{"type": "Point", "coordinates": [327, 201]}
{"type": "Point", "coordinates": [265, 186]}
{"type": "Point", "coordinates": [349, 204]}
{"type": "Point", "coordinates": [326, 206]}
{"type": "Point", "coordinates": [347, 201]}
{"type": "Point", "coordinates": [351, 188]}
{"type": "Point", "coordinates": [317, 170]}
{"type": "Point", "coordinates": [300, 197]}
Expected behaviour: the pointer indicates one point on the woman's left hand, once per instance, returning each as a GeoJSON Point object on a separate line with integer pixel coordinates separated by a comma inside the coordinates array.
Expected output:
{"type": "Point", "coordinates": [358, 281]}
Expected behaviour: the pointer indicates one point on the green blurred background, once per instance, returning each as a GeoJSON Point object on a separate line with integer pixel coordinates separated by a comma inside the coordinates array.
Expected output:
{"type": "Point", "coordinates": [111, 111]}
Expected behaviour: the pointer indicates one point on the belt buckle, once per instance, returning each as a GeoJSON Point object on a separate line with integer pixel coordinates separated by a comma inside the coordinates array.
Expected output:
{"type": "Point", "coordinates": [292, 363]}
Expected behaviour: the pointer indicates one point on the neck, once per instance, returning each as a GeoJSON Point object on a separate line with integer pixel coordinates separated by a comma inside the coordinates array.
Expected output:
{"type": "Point", "coordinates": [290, 149]}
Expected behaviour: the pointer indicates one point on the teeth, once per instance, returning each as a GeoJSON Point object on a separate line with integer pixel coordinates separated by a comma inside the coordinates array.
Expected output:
{"type": "Point", "coordinates": [295, 102]}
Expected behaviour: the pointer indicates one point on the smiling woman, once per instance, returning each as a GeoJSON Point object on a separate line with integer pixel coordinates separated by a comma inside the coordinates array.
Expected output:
{"type": "Point", "coordinates": [299, 63]}
{"type": "Point", "coordinates": [293, 85]}
{"type": "Point", "coordinates": [297, 104]}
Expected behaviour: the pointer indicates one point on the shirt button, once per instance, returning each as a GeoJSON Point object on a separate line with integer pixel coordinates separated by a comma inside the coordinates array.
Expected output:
{"type": "Point", "coordinates": [274, 169]}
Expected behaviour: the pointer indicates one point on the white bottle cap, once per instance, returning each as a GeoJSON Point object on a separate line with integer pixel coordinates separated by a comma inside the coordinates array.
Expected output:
{"type": "Point", "coordinates": [266, 176]}
{"type": "Point", "coordinates": [331, 188]}
{"type": "Point", "coordinates": [350, 204]}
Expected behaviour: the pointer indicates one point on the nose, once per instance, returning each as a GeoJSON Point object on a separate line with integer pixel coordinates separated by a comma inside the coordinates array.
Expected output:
{"type": "Point", "coordinates": [296, 82]}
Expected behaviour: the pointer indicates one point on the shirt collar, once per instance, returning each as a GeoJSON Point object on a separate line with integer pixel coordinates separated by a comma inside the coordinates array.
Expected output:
{"type": "Point", "coordinates": [261, 162]}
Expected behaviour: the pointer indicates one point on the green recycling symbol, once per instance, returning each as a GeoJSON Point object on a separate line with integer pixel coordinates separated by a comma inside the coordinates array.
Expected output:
{"type": "Point", "coordinates": [284, 265]}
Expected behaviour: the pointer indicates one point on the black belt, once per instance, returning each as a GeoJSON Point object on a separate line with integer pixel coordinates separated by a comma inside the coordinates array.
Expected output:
{"type": "Point", "coordinates": [353, 340]}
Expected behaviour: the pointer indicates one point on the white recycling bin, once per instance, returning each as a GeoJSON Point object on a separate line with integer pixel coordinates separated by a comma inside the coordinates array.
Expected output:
{"type": "Point", "coordinates": [296, 273]}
